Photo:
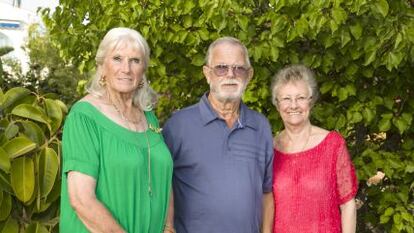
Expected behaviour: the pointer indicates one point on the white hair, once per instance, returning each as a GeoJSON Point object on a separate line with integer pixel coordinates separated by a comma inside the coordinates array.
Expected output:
{"type": "Point", "coordinates": [227, 40]}
{"type": "Point", "coordinates": [293, 73]}
{"type": "Point", "coordinates": [144, 97]}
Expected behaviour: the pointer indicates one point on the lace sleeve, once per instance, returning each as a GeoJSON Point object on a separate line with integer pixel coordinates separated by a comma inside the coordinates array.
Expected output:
{"type": "Point", "coordinates": [347, 184]}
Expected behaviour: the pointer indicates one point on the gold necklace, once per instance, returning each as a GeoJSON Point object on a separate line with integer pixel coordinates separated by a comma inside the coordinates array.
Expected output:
{"type": "Point", "coordinates": [146, 138]}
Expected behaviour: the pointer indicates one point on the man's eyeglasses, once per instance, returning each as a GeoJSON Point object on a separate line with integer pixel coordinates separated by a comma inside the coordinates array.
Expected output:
{"type": "Point", "coordinates": [223, 69]}
{"type": "Point", "coordinates": [288, 100]}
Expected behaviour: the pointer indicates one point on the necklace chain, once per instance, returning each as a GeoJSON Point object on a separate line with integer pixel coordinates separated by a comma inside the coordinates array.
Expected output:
{"type": "Point", "coordinates": [126, 121]}
{"type": "Point", "coordinates": [307, 139]}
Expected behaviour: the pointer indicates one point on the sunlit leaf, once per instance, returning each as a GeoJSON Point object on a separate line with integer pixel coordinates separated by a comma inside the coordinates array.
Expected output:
{"type": "Point", "coordinates": [11, 226]}
{"type": "Point", "coordinates": [19, 146]}
{"type": "Point", "coordinates": [401, 124]}
{"type": "Point", "coordinates": [4, 161]}
{"type": "Point", "coordinates": [30, 112]}
{"type": "Point", "coordinates": [13, 95]}
{"type": "Point", "coordinates": [36, 228]}
{"type": "Point", "coordinates": [48, 168]}
{"type": "Point", "coordinates": [382, 6]}
{"type": "Point", "coordinates": [356, 30]}
{"type": "Point", "coordinates": [33, 132]}
{"type": "Point", "coordinates": [54, 112]}
{"type": "Point", "coordinates": [339, 15]}
{"type": "Point", "coordinates": [5, 182]}
{"type": "Point", "coordinates": [11, 130]}
{"type": "Point", "coordinates": [23, 178]}
{"type": "Point", "coordinates": [5, 206]}
{"type": "Point", "coordinates": [384, 124]}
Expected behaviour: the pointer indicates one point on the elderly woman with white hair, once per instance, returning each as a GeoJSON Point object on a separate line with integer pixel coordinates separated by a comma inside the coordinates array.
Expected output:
{"type": "Point", "coordinates": [314, 181]}
{"type": "Point", "coordinates": [116, 168]}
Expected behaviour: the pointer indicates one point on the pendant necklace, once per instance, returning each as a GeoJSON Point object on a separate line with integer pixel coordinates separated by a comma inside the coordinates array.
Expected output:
{"type": "Point", "coordinates": [126, 121]}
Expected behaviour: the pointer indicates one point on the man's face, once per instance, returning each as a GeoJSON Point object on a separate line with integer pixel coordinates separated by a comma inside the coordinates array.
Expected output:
{"type": "Point", "coordinates": [227, 72]}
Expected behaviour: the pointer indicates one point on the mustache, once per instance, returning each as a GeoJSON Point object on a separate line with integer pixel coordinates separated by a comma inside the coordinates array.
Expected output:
{"type": "Point", "coordinates": [230, 82]}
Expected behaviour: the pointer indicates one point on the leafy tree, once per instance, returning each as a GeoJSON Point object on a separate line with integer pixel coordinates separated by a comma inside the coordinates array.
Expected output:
{"type": "Point", "coordinates": [3, 51]}
{"type": "Point", "coordinates": [48, 72]}
{"type": "Point", "coordinates": [361, 50]}
{"type": "Point", "coordinates": [29, 161]}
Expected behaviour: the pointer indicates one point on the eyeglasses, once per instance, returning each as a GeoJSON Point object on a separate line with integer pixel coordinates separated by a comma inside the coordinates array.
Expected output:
{"type": "Point", "coordinates": [288, 100]}
{"type": "Point", "coordinates": [223, 69]}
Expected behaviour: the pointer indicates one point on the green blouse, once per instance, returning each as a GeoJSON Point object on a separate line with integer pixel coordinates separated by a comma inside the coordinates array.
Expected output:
{"type": "Point", "coordinates": [118, 159]}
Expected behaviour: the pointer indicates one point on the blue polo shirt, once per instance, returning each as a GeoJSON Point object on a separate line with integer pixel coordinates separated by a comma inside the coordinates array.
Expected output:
{"type": "Point", "coordinates": [220, 174]}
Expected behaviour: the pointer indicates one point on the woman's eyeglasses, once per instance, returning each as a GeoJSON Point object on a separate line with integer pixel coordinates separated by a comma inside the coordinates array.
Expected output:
{"type": "Point", "coordinates": [223, 69]}
{"type": "Point", "coordinates": [288, 100]}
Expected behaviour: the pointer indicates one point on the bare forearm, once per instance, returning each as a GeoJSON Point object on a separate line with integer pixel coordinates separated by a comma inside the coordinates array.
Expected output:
{"type": "Point", "coordinates": [268, 213]}
{"type": "Point", "coordinates": [348, 217]}
{"type": "Point", "coordinates": [169, 221]}
{"type": "Point", "coordinates": [97, 218]}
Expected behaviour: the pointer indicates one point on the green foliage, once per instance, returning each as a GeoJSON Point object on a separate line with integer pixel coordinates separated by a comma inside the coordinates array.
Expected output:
{"type": "Point", "coordinates": [361, 50]}
{"type": "Point", "coordinates": [3, 51]}
{"type": "Point", "coordinates": [48, 72]}
{"type": "Point", "coordinates": [29, 161]}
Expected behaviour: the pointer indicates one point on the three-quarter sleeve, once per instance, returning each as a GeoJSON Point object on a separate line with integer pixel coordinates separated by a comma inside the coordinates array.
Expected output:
{"type": "Point", "coordinates": [80, 145]}
{"type": "Point", "coordinates": [347, 183]}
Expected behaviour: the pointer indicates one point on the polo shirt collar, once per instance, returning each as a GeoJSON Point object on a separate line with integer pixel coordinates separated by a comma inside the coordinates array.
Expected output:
{"type": "Point", "coordinates": [208, 114]}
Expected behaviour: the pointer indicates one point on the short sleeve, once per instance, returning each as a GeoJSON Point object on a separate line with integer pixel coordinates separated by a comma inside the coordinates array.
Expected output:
{"type": "Point", "coordinates": [268, 176]}
{"type": "Point", "coordinates": [347, 184]}
{"type": "Point", "coordinates": [169, 139]}
{"type": "Point", "coordinates": [80, 145]}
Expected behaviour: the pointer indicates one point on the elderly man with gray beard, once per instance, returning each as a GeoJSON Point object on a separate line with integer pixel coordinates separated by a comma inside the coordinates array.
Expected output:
{"type": "Point", "coordinates": [222, 153]}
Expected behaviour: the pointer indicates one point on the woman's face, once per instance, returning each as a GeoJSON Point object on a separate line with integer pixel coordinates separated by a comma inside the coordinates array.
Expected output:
{"type": "Point", "coordinates": [123, 68]}
{"type": "Point", "coordinates": [293, 102]}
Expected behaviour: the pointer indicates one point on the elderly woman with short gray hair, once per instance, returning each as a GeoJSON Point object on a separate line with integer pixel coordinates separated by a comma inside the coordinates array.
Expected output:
{"type": "Point", "coordinates": [314, 181]}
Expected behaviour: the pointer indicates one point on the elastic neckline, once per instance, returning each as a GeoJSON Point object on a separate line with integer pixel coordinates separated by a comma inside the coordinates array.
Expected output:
{"type": "Point", "coordinates": [125, 134]}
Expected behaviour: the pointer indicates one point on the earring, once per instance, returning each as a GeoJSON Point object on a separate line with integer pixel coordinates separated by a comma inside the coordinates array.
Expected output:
{"type": "Point", "coordinates": [141, 84]}
{"type": "Point", "coordinates": [102, 81]}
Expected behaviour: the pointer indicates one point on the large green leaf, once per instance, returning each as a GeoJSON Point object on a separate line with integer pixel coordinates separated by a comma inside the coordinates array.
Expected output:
{"type": "Point", "coordinates": [401, 124]}
{"type": "Point", "coordinates": [11, 130]}
{"type": "Point", "coordinates": [19, 146]}
{"type": "Point", "coordinates": [3, 139]}
{"type": "Point", "coordinates": [55, 192]}
{"type": "Point", "coordinates": [36, 228]}
{"type": "Point", "coordinates": [41, 206]}
{"type": "Point", "coordinates": [23, 178]}
{"type": "Point", "coordinates": [31, 112]}
{"type": "Point", "coordinates": [12, 96]}
{"type": "Point", "coordinates": [62, 106]}
{"type": "Point", "coordinates": [382, 7]}
{"type": "Point", "coordinates": [5, 182]}
{"type": "Point", "coordinates": [54, 112]}
{"type": "Point", "coordinates": [48, 168]}
{"type": "Point", "coordinates": [4, 161]}
{"type": "Point", "coordinates": [5, 206]}
{"type": "Point", "coordinates": [34, 132]}
{"type": "Point", "coordinates": [11, 226]}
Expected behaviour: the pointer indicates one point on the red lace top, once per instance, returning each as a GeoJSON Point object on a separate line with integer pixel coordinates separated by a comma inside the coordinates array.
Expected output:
{"type": "Point", "coordinates": [309, 187]}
